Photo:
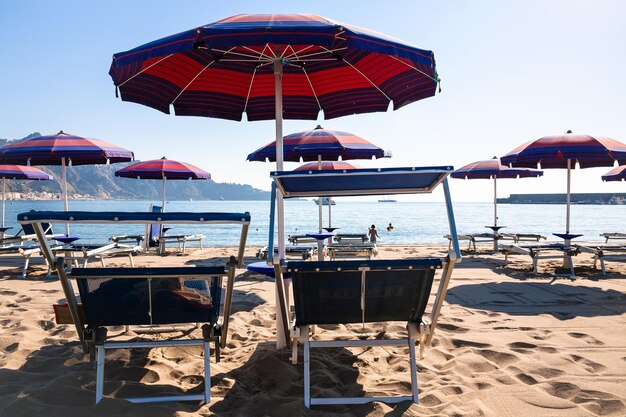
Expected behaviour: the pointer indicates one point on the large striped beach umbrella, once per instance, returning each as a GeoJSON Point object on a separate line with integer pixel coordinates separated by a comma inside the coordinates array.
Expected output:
{"type": "Point", "coordinates": [616, 174]}
{"type": "Point", "coordinates": [277, 66]}
{"type": "Point", "coordinates": [493, 169]}
{"type": "Point", "coordinates": [63, 149]}
{"type": "Point", "coordinates": [163, 169]}
{"type": "Point", "coordinates": [564, 152]}
{"type": "Point", "coordinates": [19, 172]}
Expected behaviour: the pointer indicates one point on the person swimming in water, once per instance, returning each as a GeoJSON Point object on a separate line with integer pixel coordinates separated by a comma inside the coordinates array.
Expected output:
{"type": "Point", "coordinates": [390, 227]}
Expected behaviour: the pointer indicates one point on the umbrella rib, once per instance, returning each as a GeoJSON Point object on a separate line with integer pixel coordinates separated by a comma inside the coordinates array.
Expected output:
{"type": "Point", "coordinates": [144, 70]}
{"type": "Point", "coordinates": [190, 82]}
{"type": "Point", "coordinates": [364, 76]}
{"type": "Point", "coordinates": [325, 51]}
{"type": "Point", "coordinates": [306, 74]}
{"type": "Point", "coordinates": [416, 69]}
{"type": "Point", "coordinates": [240, 54]}
{"type": "Point", "coordinates": [245, 106]}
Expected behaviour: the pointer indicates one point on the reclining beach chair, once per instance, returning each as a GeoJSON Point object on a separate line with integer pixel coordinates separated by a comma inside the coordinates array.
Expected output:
{"type": "Point", "coordinates": [127, 296]}
{"type": "Point", "coordinates": [522, 237]}
{"type": "Point", "coordinates": [337, 292]}
{"type": "Point", "coordinates": [363, 292]}
{"type": "Point", "coordinates": [614, 235]}
{"type": "Point", "coordinates": [150, 296]}
{"type": "Point", "coordinates": [301, 252]}
{"type": "Point", "coordinates": [27, 233]}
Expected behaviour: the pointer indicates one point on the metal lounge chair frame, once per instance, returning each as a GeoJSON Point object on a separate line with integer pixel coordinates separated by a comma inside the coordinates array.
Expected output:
{"type": "Point", "coordinates": [604, 253]}
{"type": "Point", "coordinates": [102, 311]}
{"type": "Point", "coordinates": [358, 182]}
{"type": "Point", "coordinates": [342, 250]}
{"type": "Point", "coordinates": [37, 218]}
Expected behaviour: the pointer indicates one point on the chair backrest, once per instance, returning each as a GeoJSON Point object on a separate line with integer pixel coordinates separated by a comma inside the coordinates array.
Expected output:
{"type": "Point", "coordinates": [362, 291]}
{"type": "Point", "coordinates": [28, 229]}
{"type": "Point", "coordinates": [154, 230]}
{"type": "Point", "coordinates": [136, 296]}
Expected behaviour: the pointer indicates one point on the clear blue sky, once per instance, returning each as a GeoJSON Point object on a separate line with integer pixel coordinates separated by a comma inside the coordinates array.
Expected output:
{"type": "Point", "coordinates": [511, 71]}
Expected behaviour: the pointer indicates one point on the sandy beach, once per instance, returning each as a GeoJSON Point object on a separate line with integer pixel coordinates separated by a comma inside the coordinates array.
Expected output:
{"type": "Point", "coordinates": [509, 344]}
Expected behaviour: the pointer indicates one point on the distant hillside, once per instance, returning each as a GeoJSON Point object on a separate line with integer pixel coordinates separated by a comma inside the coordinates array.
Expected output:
{"type": "Point", "coordinates": [99, 182]}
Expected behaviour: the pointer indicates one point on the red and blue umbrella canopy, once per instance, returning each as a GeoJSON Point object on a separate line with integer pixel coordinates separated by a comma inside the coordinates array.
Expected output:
{"type": "Point", "coordinates": [564, 151]}
{"type": "Point", "coordinates": [493, 169]}
{"type": "Point", "coordinates": [63, 148]}
{"type": "Point", "coordinates": [19, 172]}
{"type": "Point", "coordinates": [163, 169]}
{"type": "Point", "coordinates": [327, 166]}
{"type": "Point", "coordinates": [616, 174]}
{"type": "Point", "coordinates": [226, 68]}
{"type": "Point", "coordinates": [319, 143]}
{"type": "Point", "coordinates": [554, 152]}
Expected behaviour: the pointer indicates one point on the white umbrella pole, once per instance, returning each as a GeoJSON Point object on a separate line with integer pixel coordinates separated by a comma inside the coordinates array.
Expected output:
{"type": "Point", "coordinates": [163, 193]}
{"type": "Point", "coordinates": [495, 201]}
{"type": "Point", "coordinates": [64, 191]}
{"type": "Point", "coordinates": [567, 201]}
{"type": "Point", "coordinates": [3, 197]}
{"type": "Point", "coordinates": [282, 291]}
{"type": "Point", "coordinates": [319, 199]}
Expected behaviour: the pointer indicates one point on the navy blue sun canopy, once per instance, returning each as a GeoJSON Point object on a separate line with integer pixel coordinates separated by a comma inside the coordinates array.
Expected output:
{"type": "Point", "coordinates": [132, 217]}
{"type": "Point", "coordinates": [359, 182]}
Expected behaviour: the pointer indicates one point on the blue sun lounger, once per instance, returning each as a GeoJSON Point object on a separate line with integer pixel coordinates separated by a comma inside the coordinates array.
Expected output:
{"type": "Point", "coordinates": [144, 296]}
{"type": "Point", "coordinates": [364, 291]}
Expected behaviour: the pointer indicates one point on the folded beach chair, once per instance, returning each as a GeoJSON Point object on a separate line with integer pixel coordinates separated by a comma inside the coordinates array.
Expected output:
{"type": "Point", "coordinates": [364, 292]}
{"type": "Point", "coordinates": [547, 251]}
{"type": "Point", "coordinates": [151, 296]}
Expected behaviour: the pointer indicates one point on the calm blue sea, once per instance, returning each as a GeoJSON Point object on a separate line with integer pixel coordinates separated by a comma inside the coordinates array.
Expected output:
{"type": "Point", "coordinates": [414, 222]}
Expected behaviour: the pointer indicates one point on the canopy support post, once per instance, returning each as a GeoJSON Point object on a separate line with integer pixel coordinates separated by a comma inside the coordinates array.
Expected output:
{"type": "Point", "coordinates": [64, 192]}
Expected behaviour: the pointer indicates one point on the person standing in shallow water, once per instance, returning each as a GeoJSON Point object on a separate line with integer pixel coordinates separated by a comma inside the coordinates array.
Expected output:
{"type": "Point", "coordinates": [373, 234]}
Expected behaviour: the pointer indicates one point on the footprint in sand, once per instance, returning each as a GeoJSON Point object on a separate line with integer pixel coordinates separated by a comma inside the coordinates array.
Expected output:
{"type": "Point", "coordinates": [45, 324]}
{"type": "Point", "coordinates": [7, 292]}
{"type": "Point", "coordinates": [590, 340]}
{"type": "Point", "coordinates": [591, 366]}
{"type": "Point", "coordinates": [521, 347]}
{"type": "Point", "coordinates": [12, 347]}
{"type": "Point", "coordinates": [452, 328]}
{"type": "Point", "coordinates": [467, 343]}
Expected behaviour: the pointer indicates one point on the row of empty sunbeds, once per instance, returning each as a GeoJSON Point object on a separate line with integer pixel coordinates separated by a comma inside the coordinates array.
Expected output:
{"type": "Point", "coordinates": [340, 246]}
{"type": "Point", "coordinates": [612, 250]}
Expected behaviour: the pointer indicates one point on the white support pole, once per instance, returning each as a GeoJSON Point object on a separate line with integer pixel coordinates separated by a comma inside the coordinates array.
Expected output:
{"type": "Point", "coordinates": [163, 192]}
{"type": "Point", "coordinates": [281, 308]}
{"type": "Point", "coordinates": [567, 201]}
{"type": "Point", "coordinates": [319, 198]}
{"type": "Point", "coordinates": [64, 192]}
{"type": "Point", "coordinates": [3, 197]}
{"type": "Point", "coordinates": [495, 201]}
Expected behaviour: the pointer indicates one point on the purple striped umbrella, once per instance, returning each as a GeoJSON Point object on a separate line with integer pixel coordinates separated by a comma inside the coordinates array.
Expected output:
{"type": "Point", "coordinates": [616, 174]}
{"type": "Point", "coordinates": [320, 144]}
{"type": "Point", "coordinates": [564, 151]}
{"type": "Point", "coordinates": [63, 149]}
{"type": "Point", "coordinates": [492, 168]}
{"type": "Point", "coordinates": [19, 172]}
{"type": "Point", "coordinates": [163, 169]}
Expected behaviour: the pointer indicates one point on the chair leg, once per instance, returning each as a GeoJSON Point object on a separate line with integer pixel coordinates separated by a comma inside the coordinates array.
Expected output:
{"type": "Point", "coordinates": [99, 372]}
{"type": "Point", "coordinates": [207, 372]}
{"type": "Point", "coordinates": [413, 364]}
{"type": "Point", "coordinates": [307, 375]}
{"type": "Point", "coordinates": [25, 268]}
